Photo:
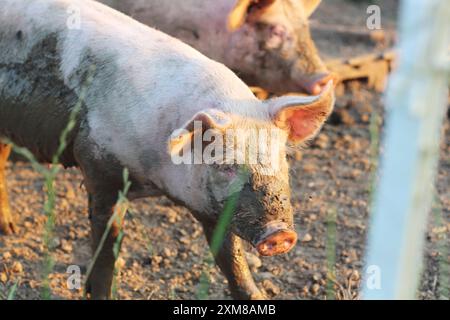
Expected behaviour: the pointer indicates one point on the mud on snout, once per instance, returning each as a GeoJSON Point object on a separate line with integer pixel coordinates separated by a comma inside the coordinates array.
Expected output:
{"type": "Point", "coordinates": [265, 220]}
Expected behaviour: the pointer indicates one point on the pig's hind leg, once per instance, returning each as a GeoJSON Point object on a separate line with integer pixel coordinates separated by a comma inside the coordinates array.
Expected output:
{"type": "Point", "coordinates": [232, 262]}
{"type": "Point", "coordinates": [6, 221]}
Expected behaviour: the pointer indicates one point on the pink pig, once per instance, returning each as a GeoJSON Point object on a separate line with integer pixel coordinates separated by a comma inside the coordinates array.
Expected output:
{"type": "Point", "coordinates": [266, 42]}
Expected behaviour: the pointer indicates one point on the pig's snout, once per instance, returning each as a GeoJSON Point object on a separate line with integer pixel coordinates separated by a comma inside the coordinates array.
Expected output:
{"type": "Point", "coordinates": [317, 83]}
{"type": "Point", "coordinates": [278, 238]}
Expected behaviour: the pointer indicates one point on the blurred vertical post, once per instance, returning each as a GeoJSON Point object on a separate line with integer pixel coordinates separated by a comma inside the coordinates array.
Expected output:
{"type": "Point", "coordinates": [416, 104]}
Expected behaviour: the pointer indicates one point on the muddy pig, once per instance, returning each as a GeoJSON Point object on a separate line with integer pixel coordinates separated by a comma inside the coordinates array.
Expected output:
{"type": "Point", "coordinates": [267, 42]}
{"type": "Point", "coordinates": [149, 98]}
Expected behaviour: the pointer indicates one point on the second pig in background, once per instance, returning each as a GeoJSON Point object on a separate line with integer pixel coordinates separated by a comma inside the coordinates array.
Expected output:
{"type": "Point", "coordinates": [266, 42]}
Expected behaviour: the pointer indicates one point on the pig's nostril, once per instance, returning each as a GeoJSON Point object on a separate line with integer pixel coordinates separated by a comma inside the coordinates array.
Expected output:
{"type": "Point", "coordinates": [278, 242]}
{"type": "Point", "coordinates": [287, 244]}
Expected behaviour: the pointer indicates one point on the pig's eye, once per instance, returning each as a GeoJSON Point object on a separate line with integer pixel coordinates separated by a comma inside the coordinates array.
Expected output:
{"type": "Point", "coordinates": [278, 31]}
{"type": "Point", "coordinates": [229, 171]}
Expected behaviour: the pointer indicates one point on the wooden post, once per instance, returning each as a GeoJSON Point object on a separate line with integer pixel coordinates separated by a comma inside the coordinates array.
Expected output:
{"type": "Point", "coordinates": [416, 105]}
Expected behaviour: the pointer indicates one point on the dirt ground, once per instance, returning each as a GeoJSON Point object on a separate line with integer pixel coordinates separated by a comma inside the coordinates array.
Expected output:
{"type": "Point", "coordinates": [164, 248]}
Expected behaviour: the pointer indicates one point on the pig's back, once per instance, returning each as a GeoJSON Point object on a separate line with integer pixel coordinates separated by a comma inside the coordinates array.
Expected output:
{"type": "Point", "coordinates": [139, 72]}
{"type": "Point", "coordinates": [112, 41]}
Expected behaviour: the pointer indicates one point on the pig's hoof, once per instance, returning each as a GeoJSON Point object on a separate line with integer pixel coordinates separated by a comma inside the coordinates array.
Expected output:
{"type": "Point", "coordinates": [7, 228]}
{"type": "Point", "coordinates": [91, 294]}
{"type": "Point", "coordinates": [258, 296]}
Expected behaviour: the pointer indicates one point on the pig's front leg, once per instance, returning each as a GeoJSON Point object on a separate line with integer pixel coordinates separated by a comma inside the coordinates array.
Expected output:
{"type": "Point", "coordinates": [101, 208]}
{"type": "Point", "coordinates": [231, 261]}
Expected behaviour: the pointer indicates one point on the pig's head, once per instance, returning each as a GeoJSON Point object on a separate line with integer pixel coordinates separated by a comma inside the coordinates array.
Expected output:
{"type": "Point", "coordinates": [273, 45]}
{"type": "Point", "coordinates": [255, 193]}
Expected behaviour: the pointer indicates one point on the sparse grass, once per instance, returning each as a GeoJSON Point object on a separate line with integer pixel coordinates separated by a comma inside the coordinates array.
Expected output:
{"type": "Point", "coordinates": [335, 290]}
{"type": "Point", "coordinates": [220, 233]}
{"type": "Point", "coordinates": [49, 186]}
{"type": "Point", "coordinates": [13, 290]}
{"type": "Point", "coordinates": [331, 254]}
{"type": "Point", "coordinates": [117, 217]}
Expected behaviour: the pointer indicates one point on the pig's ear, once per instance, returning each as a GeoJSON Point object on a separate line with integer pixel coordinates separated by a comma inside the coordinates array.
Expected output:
{"type": "Point", "coordinates": [310, 6]}
{"type": "Point", "coordinates": [201, 121]}
{"type": "Point", "coordinates": [302, 116]}
{"type": "Point", "coordinates": [239, 13]}
{"type": "Point", "coordinates": [237, 16]}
